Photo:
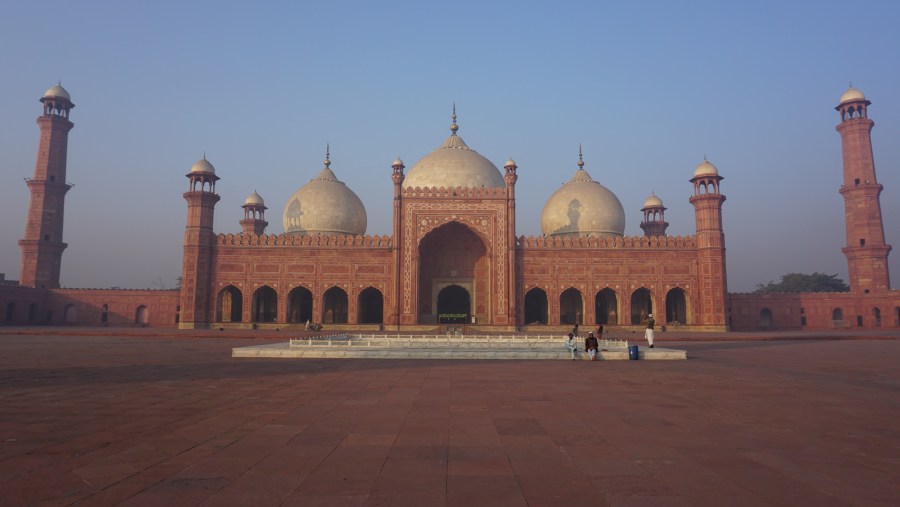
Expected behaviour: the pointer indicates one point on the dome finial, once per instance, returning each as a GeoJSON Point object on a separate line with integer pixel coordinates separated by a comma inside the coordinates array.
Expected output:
{"type": "Point", "coordinates": [580, 159]}
{"type": "Point", "coordinates": [327, 155]}
{"type": "Point", "coordinates": [454, 127]}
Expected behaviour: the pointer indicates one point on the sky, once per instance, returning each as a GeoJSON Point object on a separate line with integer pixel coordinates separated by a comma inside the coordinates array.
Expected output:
{"type": "Point", "coordinates": [648, 89]}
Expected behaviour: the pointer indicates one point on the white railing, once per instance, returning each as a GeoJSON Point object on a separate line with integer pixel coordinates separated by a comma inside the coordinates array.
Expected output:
{"type": "Point", "coordinates": [448, 341]}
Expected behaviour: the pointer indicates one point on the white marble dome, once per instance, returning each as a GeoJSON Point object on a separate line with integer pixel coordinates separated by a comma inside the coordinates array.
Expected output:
{"type": "Point", "coordinates": [706, 169]}
{"type": "Point", "coordinates": [203, 166]}
{"type": "Point", "coordinates": [325, 205]}
{"type": "Point", "coordinates": [56, 91]}
{"type": "Point", "coordinates": [583, 207]}
{"type": "Point", "coordinates": [653, 202]}
{"type": "Point", "coordinates": [254, 199]}
{"type": "Point", "coordinates": [454, 164]}
{"type": "Point", "coordinates": [852, 94]}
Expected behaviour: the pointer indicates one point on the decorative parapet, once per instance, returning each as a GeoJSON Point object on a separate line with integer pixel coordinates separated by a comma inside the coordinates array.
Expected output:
{"type": "Point", "coordinates": [305, 240]}
{"type": "Point", "coordinates": [473, 192]}
{"type": "Point", "coordinates": [606, 242]}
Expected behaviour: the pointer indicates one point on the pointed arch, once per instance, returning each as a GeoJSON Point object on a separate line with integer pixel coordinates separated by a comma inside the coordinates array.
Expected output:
{"type": "Point", "coordinates": [536, 307]}
{"type": "Point", "coordinates": [677, 306]}
{"type": "Point", "coordinates": [70, 316]}
{"type": "Point", "coordinates": [571, 307]}
{"type": "Point", "coordinates": [765, 318]}
{"type": "Point", "coordinates": [141, 315]}
{"type": "Point", "coordinates": [371, 306]}
{"type": "Point", "coordinates": [229, 304]}
{"type": "Point", "coordinates": [641, 306]}
{"type": "Point", "coordinates": [334, 309]}
{"type": "Point", "coordinates": [265, 305]}
{"type": "Point", "coordinates": [606, 307]}
{"type": "Point", "coordinates": [300, 303]}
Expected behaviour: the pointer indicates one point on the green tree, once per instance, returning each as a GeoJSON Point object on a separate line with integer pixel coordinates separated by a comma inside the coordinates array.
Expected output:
{"type": "Point", "coordinates": [802, 282]}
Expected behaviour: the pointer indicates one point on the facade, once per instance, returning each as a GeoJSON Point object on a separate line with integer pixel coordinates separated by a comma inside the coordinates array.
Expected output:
{"type": "Point", "coordinates": [453, 256]}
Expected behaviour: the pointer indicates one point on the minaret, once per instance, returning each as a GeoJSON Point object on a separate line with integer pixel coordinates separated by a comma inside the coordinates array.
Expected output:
{"type": "Point", "coordinates": [707, 201]}
{"type": "Point", "coordinates": [512, 290]}
{"type": "Point", "coordinates": [866, 251]}
{"type": "Point", "coordinates": [654, 223]}
{"type": "Point", "coordinates": [397, 177]}
{"type": "Point", "coordinates": [42, 246]}
{"type": "Point", "coordinates": [199, 238]}
{"type": "Point", "coordinates": [254, 221]}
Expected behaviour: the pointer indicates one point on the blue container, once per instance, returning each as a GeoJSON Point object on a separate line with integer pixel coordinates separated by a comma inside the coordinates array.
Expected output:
{"type": "Point", "coordinates": [633, 353]}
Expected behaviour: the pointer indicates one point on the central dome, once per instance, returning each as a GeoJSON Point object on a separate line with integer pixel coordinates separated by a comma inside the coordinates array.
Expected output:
{"type": "Point", "coordinates": [325, 205]}
{"type": "Point", "coordinates": [453, 164]}
{"type": "Point", "coordinates": [583, 207]}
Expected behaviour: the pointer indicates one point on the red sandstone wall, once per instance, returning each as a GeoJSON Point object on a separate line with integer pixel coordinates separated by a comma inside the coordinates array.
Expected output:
{"type": "Point", "coordinates": [84, 307]}
{"type": "Point", "coordinates": [283, 262]}
{"type": "Point", "coordinates": [623, 264]}
{"type": "Point", "coordinates": [815, 311]}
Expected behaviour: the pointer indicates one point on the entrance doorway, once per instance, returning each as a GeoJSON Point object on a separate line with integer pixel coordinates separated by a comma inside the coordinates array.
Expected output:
{"type": "Point", "coordinates": [536, 307]}
{"type": "Point", "coordinates": [454, 254]}
{"type": "Point", "coordinates": [454, 306]}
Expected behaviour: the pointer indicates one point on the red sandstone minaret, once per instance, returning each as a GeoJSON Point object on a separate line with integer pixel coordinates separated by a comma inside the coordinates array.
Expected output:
{"type": "Point", "coordinates": [511, 177]}
{"type": "Point", "coordinates": [707, 201]}
{"type": "Point", "coordinates": [254, 221]}
{"type": "Point", "coordinates": [42, 246]}
{"type": "Point", "coordinates": [397, 177]}
{"type": "Point", "coordinates": [866, 251]}
{"type": "Point", "coordinates": [654, 223]}
{"type": "Point", "coordinates": [199, 238]}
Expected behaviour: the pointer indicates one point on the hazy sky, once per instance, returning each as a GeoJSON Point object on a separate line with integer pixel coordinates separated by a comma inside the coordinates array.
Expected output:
{"type": "Point", "coordinates": [648, 88]}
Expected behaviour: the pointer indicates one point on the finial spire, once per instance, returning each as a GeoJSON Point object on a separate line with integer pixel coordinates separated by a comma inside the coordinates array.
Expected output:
{"type": "Point", "coordinates": [580, 159]}
{"type": "Point", "coordinates": [204, 154]}
{"type": "Point", "coordinates": [327, 155]}
{"type": "Point", "coordinates": [454, 127]}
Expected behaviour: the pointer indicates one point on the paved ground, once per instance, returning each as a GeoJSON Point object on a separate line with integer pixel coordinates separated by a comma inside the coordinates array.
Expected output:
{"type": "Point", "coordinates": [105, 420]}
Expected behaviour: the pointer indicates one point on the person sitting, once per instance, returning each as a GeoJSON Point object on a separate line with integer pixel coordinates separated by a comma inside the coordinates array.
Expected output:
{"type": "Point", "coordinates": [591, 345]}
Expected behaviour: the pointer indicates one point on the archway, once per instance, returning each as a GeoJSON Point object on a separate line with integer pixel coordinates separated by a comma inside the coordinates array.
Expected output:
{"type": "Point", "coordinates": [300, 302]}
{"type": "Point", "coordinates": [536, 307]}
{"type": "Point", "coordinates": [11, 311]}
{"type": "Point", "coordinates": [334, 310]}
{"type": "Point", "coordinates": [453, 254]}
{"type": "Point", "coordinates": [264, 305]}
{"type": "Point", "coordinates": [837, 315]}
{"type": "Point", "coordinates": [676, 306]}
{"type": "Point", "coordinates": [229, 304]}
{"type": "Point", "coordinates": [571, 307]}
{"type": "Point", "coordinates": [765, 318]}
{"type": "Point", "coordinates": [454, 306]}
{"type": "Point", "coordinates": [641, 306]}
{"type": "Point", "coordinates": [70, 316]}
{"type": "Point", "coordinates": [876, 316]}
{"type": "Point", "coordinates": [606, 307]}
{"type": "Point", "coordinates": [371, 306]}
{"type": "Point", "coordinates": [104, 313]}
{"type": "Point", "coordinates": [32, 312]}
{"type": "Point", "coordinates": [141, 315]}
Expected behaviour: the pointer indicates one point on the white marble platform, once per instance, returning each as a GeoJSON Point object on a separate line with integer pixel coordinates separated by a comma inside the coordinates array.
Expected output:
{"type": "Point", "coordinates": [438, 347]}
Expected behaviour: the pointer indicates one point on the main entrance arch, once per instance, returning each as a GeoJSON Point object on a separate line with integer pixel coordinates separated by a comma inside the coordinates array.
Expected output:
{"type": "Point", "coordinates": [453, 256]}
{"type": "Point", "coordinates": [454, 306]}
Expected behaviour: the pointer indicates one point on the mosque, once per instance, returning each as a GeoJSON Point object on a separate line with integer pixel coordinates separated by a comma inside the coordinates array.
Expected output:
{"type": "Point", "coordinates": [453, 256]}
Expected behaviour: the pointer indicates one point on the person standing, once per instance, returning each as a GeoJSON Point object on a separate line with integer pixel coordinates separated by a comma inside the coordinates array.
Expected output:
{"type": "Point", "coordinates": [648, 334]}
{"type": "Point", "coordinates": [591, 345]}
{"type": "Point", "coordinates": [571, 345]}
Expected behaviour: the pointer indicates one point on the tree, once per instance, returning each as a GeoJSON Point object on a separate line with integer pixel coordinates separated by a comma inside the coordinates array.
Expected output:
{"type": "Point", "coordinates": [802, 282]}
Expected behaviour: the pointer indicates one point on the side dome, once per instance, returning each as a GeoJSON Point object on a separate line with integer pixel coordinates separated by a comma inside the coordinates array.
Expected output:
{"type": "Point", "coordinates": [454, 164]}
{"type": "Point", "coordinates": [203, 166]}
{"type": "Point", "coordinates": [57, 91]}
{"type": "Point", "coordinates": [583, 207]}
{"type": "Point", "coordinates": [852, 94]}
{"type": "Point", "coordinates": [706, 169]}
{"type": "Point", "coordinates": [325, 205]}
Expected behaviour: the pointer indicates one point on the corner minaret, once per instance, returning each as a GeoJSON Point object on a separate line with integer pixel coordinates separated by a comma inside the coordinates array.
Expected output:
{"type": "Point", "coordinates": [254, 221]}
{"type": "Point", "coordinates": [866, 250]}
{"type": "Point", "coordinates": [42, 246]}
{"type": "Point", "coordinates": [707, 201]}
{"type": "Point", "coordinates": [199, 239]}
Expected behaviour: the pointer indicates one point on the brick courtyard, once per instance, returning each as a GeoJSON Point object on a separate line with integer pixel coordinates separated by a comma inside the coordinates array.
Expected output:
{"type": "Point", "coordinates": [142, 420]}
